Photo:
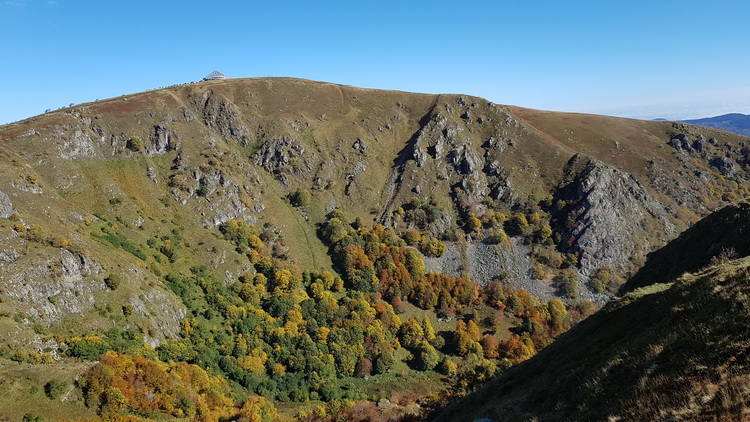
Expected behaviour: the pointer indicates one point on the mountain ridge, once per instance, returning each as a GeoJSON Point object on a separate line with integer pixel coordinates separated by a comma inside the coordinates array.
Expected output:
{"type": "Point", "coordinates": [733, 122]}
{"type": "Point", "coordinates": [109, 210]}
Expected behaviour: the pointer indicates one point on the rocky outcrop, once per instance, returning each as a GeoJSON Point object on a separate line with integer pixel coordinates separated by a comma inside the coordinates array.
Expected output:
{"type": "Point", "coordinates": [614, 217]}
{"type": "Point", "coordinates": [163, 140]}
{"type": "Point", "coordinates": [6, 207]}
{"type": "Point", "coordinates": [160, 310]}
{"type": "Point", "coordinates": [53, 286]}
{"type": "Point", "coordinates": [283, 156]}
{"type": "Point", "coordinates": [224, 117]}
{"type": "Point", "coordinates": [74, 142]}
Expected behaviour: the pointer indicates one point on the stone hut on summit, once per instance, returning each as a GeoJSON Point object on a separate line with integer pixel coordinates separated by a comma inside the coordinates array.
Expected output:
{"type": "Point", "coordinates": [215, 76]}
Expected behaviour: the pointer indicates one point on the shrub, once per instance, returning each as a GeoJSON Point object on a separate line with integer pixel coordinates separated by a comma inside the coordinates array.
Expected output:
{"type": "Point", "coordinates": [497, 236]}
{"type": "Point", "coordinates": [473, 223]}
{"type": "Point", "coordinates": [300, 198]}
{"type": "Point", "coordinates": [135, 144]}
{"type": "Point", "coordinates": [433, 247]}
{"type": "Point", "coordinates": [32, 417]}
{"type": "Point", "coordinates": [89, 347]}
{"type": "Point", "coordinates": [600, 281]}
{"type": "Point", "coordinates": [54, 389]}
{"type": "Point", "coordinates": [113, 281]}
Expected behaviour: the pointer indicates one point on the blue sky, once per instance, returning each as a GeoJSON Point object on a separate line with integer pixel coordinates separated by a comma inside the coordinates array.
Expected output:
{"type": "Point", "coordinates": [641, 59]}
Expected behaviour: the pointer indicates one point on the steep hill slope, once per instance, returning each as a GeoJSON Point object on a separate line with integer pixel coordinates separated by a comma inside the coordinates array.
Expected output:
{"type": "Point", "coordinates": [135, 186]}
{"type": "Point", "coordinates": [719, 237]}
{"type": "Point", "coordinates": [667, 351]}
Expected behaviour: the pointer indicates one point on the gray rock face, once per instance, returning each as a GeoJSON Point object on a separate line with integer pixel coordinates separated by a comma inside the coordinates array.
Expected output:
{"type": "Point", "coordinates": [53, 287]}
{"type": "Point", "coordinates": [724, 165]}
{"type": "Point", "coordinates": [187, 115]}
{"type": "Point", "coordinates": [680, 142]}
{"type": "Point", "coordinates": [359, 145]}
{"type": "Point", "coordinates": [157, 303]}
{"type": "Point", "coordinates": [464, 159]}
{"type": "Point", "coordinates": [162, 141]}
{"type": "Point", "coordinates": [278, 153]}
{"type": "Point", "coordinates": [224, 117]}
{"type": "Point", "coordinates": [74, 143]}
{"type": "Point", "coordinates": [419, 156]}
{"type": "Point", "coordinates": [484, 262]}
{"type": "Point", "coordinates": [6, 207]}
{"type": "Point", "coordinates": [614, 211]}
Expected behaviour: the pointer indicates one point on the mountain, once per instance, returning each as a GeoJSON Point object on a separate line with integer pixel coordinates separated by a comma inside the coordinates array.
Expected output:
{"type": "Point", "coordinates": [674, 349]}
{"type": "Point", "coordinates": [733, 122]}
{"type": "Point", "coordinates": [211, 220]}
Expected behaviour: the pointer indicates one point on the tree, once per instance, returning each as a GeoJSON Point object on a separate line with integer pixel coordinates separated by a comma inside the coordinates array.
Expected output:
{"type": "Point", "coordinates": [364, 367]}
{"type": "Point", "coordinates": [429, 332]}
{"type": "Point", "coordinates": [490, 345]}
{"type": "Point", "coordinates": [258, 409]}
{"type": "Point", "coordinates": [55, 388]}
{"type": "Point", "coordinates": [448, 367]}
{"type": "Point", "coordinates": [433, 247]}
{"type": "Point", "coordinates": [426, 356]}
{"type": "Point", "coordinates": [301, 198]}
{"type": "Point", "coordinates": [411, 333]}
{"type": "Point", "coordinates": [412, 237]}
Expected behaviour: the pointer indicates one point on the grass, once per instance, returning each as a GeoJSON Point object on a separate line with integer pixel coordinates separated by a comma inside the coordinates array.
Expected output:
{"type": "Point", "coordinates": [22, 391]}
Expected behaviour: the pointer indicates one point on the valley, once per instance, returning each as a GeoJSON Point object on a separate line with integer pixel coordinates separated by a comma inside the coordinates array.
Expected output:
{"type": "Point", "coordinates": [282, 248]}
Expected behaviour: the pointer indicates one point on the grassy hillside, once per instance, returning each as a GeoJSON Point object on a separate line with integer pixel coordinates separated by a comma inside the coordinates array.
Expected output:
{"type": "Point", "coordinates": [719, 237]}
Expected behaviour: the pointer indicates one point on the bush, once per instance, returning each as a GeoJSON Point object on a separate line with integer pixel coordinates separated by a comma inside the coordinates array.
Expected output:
{"type": "Point", "coordinates": [300, 198]}
{"type": "Point", "coordinates": [54, 389]}
{"type": "Point", "coordinates": [473, 224]}
{"type": "Point", "coordinates": [433, 247]}
{"type": "Point", "coordinates": [135, 144]}
{"type": "Point", "coordinates": [497, 236]}
{"type": "Point", "coordinates": [600, 281]}
{"type": "Point", "coordinates": [89, 347]}
{"type": "Point", "coordinates": [113, 281]}
{"type": "Point", "coordinates": [32, 417]}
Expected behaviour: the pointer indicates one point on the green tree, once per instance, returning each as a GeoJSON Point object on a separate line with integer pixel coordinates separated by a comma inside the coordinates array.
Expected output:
{"type": "Point", "coordinates": [300, 198]}
{"type": "Point", "coordinates": [55, 388]}
{"type": "Point", "coordinates": [426, 356]}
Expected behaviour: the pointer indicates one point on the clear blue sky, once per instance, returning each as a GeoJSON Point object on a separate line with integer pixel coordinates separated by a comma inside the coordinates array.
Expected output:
{"type": "Point", "coordinates": [642, 59]}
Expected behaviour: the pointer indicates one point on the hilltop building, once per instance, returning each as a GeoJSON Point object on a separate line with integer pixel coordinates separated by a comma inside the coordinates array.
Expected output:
{"type": "Point", "coordinates": [215, 76]}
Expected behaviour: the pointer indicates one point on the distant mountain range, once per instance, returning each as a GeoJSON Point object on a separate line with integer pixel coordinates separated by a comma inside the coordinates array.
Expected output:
{"type": "Point", "coordinates": [733, 122]}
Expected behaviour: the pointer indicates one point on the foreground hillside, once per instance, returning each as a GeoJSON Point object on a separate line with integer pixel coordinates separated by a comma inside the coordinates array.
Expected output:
{"type": "Point", "coordinates": [675, 349]}
{"type": "Point", "coordinates": [319, 244]}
